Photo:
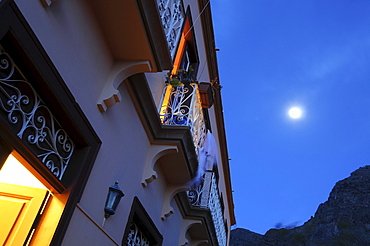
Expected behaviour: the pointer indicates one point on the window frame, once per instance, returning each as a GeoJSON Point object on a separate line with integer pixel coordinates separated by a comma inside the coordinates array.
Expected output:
{"type": "Point", "coordinates": [141, 218]}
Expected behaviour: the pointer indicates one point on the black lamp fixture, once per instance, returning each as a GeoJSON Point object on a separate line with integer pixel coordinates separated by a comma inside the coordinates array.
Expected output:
{"type": "Point", "coordinates": [113, 198]}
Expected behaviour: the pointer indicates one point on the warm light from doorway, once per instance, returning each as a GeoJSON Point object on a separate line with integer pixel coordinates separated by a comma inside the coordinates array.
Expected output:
{"type": "Point", "coordinates": [13, 172]}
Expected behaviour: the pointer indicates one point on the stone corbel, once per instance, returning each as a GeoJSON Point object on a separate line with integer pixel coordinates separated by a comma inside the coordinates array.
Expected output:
{"type": "Point", "coordinates": [186, 224]}
{"type": "Point", "coordinates": [155, 152]}
{"type": "Point", "coordinates": [120, 71]}
{"type": "Point", "coordinates": [171, 191]}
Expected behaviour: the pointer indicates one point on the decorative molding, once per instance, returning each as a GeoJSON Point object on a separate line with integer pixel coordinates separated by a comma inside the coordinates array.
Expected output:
{"type": "Point", "coordinates": [31, 119]}
{"type": "Point", "coordinates": [186, 224]}
{"type": "Point", "coordinates": [120, 71]}
{"type": "Point", "coordinates": [171, 191]}
{"type": "Point", "coordinates": [156, 152]}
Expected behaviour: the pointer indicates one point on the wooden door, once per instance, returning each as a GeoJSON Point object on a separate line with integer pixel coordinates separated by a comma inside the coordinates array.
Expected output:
{"type": "Point", "coordinates": [19, 207]}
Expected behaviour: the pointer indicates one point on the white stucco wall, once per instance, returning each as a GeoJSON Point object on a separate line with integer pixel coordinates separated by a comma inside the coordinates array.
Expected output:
{"type": "Point", "coordinates": [70, 34]}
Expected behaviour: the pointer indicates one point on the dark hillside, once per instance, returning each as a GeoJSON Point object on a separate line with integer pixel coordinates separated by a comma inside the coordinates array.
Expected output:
{"type": "Point", "coordinates": [342, 220]}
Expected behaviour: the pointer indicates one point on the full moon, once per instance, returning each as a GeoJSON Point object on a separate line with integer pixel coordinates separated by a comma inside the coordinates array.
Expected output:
{"type": "Point", "coordinates": [295, 113]}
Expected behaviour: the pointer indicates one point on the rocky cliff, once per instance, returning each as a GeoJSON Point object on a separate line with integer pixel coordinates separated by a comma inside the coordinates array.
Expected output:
{"type": "Point", "coordinates": [342, 220]}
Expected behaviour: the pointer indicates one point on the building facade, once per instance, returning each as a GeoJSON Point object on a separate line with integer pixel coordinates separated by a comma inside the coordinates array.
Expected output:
{"type": "Point", "coordinates": [105, 102]}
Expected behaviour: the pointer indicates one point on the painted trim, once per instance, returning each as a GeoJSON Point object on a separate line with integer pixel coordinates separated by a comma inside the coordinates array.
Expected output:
{"type": "Point", "coordinates": [120, 71]}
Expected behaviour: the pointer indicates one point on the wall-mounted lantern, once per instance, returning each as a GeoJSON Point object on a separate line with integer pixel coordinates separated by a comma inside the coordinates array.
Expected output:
{"type": "Point", "coordinates": [113, 198]}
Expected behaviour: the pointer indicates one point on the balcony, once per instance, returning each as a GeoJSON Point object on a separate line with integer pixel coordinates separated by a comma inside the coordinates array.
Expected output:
{"type": "Point", "coordinates": [181, 106]}
{"type": "Point", "coordinates": [206, 195]}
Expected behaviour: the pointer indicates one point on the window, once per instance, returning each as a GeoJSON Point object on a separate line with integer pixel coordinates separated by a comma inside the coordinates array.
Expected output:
{"type": "Point", "coordinates": [140, 229]}
{"type": "Point", "coordinates": [186, 56]}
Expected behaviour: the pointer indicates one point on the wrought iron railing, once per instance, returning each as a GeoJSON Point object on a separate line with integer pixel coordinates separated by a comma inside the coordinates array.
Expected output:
{"type": "Point", "coordinates": [172, 16]}
{"type": "Point", "coordinates": [206, 195]}
{"type": "Point", "coordinates": [181, 106]}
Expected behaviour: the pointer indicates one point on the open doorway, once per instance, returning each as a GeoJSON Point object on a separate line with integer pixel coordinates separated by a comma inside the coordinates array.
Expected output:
{"type": "Point", "coordinates": [29, 210]}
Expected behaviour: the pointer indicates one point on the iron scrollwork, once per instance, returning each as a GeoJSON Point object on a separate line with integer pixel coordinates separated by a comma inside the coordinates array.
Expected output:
{"type": "Point", "coordinates": [172, 16]}
{"type": "Point", "coordinates": [183, 108]}
{"type": "Point", "coordinates": [217, 214]}
{"type": "Point", "coordinates": [32, 120]}
{"type": "Point", "coordinates": [206, 195]}
{"type": "Point", "coordinates": [136, 237]}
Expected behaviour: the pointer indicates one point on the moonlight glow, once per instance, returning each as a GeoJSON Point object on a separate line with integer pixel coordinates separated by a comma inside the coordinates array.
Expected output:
{"type": "Point", "coordinates": [295, 113]}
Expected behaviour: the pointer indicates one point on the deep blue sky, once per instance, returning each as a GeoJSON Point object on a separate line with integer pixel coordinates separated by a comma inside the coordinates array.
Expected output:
{"type": "Point", "coordinates": [276, 54]}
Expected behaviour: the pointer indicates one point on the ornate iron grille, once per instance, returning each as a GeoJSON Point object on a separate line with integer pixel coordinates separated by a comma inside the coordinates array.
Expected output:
{"type": "Point", "coordinates": [199, 196]}
{"type": "Point", "coordinates": [172, 16]}
{"type": "Point", "coordinates": [31, 119]}
{"type": "Point", "coordinates": [206, 195]}
{"type": "Point", "coordinates": [216, 212]}
{"type": "Point", "coordinates": [136, 237]}
{"type": "Point", "coordinates": [181, 106]}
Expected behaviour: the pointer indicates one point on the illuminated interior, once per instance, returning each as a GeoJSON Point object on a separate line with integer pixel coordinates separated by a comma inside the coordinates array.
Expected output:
{"type": "Point", "coordinates": [179, 54]}
{"type": "Point", "coordinates": [181, 46]}
{"type": "Point", "coordinates": [13, 172]}
{"type": "Point", "coordinates": [165, 102]}
{"type": "Point", "coordinates": [16, 185]}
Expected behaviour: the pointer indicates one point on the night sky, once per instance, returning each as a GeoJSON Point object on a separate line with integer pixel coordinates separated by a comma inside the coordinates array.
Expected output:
{"type": "Point", "coordinates": [314, 54]}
